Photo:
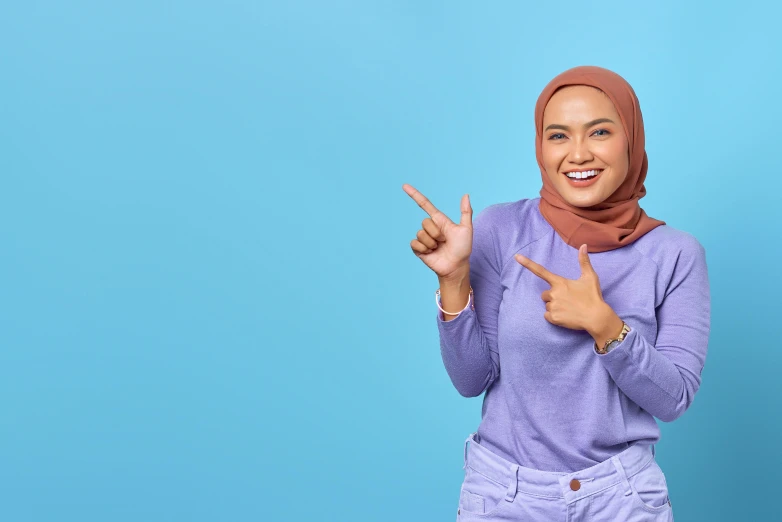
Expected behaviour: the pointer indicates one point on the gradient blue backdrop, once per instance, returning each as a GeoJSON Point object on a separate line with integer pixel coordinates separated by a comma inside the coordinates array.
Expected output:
{"type": "Point", "coordinates": [209, 309]}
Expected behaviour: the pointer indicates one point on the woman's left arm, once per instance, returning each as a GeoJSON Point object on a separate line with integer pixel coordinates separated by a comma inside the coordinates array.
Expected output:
{"type": "Point", "coordinates": [663, 378]}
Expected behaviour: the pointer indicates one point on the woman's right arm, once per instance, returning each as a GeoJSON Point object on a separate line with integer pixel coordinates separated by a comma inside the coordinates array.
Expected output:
{"type": "Point", "coordinates": [468, 341]}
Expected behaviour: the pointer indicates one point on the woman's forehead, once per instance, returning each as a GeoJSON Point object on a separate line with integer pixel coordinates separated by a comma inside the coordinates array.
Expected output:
{"type": "Point", "coordinates": [577, 102]}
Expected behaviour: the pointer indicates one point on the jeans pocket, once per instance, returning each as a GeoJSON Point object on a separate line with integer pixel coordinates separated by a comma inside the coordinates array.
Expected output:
{"type": "Point", "coordinates": [481, 495]}
{"type": "Point", "coordinates": [650, 488]}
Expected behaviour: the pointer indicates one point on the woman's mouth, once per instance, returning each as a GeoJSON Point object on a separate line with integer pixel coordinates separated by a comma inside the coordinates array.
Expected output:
{"type": "Point", "coordinates": [582, 178]}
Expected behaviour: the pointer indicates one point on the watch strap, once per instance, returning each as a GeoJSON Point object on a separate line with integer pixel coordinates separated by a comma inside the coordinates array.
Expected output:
{"type": "Point", "coordinates": [610, 344]}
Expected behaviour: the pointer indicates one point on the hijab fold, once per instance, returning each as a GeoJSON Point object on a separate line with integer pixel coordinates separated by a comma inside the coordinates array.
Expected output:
{"type": "Point", "coordinates": [619, 220]}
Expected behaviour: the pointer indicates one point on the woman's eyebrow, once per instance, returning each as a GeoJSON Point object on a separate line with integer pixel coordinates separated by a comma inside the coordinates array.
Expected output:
{"type": "Point", "coordinates": [586, 125]}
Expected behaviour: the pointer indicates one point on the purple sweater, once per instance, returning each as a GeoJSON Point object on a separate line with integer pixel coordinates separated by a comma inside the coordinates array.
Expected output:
{"type": "Point", "coordinates": [552, 403]}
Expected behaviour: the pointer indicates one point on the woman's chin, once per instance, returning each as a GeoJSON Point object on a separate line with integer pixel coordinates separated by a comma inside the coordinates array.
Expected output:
{"type": "Point", "coordinates": [583, 199]}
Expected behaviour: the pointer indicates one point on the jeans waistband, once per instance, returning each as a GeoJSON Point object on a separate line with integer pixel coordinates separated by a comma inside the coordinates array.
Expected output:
{"type": "Point", "coordinates": [555, 484]}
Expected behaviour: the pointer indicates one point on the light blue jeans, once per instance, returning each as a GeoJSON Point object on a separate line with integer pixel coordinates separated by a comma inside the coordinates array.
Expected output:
{"type": "Point", "coordinates": [628, 487]}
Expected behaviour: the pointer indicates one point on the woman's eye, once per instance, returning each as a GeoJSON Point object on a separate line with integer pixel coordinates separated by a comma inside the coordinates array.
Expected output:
{"type": "Point", "coordinates": [556, 136]}
{"type": "Point", "coordinates": [602, 130]}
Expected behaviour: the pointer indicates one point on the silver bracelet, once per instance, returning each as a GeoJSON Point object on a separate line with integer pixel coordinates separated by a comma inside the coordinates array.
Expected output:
{"type": "Point", "coordinates": [437, 300]}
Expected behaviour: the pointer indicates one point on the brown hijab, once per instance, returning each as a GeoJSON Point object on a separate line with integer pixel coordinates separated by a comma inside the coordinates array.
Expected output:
{"type": "Point", "coordinates": [619, 220]}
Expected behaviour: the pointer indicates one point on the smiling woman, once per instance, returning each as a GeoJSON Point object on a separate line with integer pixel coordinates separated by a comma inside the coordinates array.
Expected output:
{"type": "Point", "coordinates": [580, 317]}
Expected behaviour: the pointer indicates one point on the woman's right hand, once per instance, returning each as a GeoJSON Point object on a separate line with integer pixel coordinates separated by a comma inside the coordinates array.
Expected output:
{"type": "Point", "coordinates": [443, 246]}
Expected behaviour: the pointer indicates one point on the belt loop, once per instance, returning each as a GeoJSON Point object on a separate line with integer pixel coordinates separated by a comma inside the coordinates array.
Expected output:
{"type": "Point", "coordinates": [514, 483]}
{"type": "Point", "coordinates": [465, 450]}
{"type": "Point", "coordinates": [621, 470]}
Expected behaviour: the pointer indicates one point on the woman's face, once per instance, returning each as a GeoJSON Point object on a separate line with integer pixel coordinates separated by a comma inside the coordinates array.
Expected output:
{"type": "Point", "coordinates": [582, 132]}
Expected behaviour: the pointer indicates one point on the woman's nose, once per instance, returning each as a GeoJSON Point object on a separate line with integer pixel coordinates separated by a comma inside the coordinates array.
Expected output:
{"type": "Point", "coordinates": [579, 151]}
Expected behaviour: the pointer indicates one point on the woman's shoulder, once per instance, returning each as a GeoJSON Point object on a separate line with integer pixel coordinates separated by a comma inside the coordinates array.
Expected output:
{"type": "Point", "coordinates": [509, 218]}
{"type": "Point", "coordinates": [670, 248]}
{"type": "Point", "coordinates": [667, 239]}
{"type": "Point", "coordinates": [522, 213]}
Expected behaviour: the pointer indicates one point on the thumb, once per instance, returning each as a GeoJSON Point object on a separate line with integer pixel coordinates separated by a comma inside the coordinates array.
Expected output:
{"type": "Point", "coordinates": [466, 211]}
{"type": "Point", "coordinates": [583, 258]}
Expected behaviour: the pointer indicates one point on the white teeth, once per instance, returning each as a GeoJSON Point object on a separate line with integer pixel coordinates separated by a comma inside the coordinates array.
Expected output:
{"type": "Point", "coordinates": [582, 175]}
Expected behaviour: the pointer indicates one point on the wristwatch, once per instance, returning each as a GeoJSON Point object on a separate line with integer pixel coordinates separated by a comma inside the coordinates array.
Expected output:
{"type": "Point", "coordinates": [610, 344]}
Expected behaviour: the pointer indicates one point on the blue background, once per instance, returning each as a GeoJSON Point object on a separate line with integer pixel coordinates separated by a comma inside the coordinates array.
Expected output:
{"type": "Point", "coordinates": [209, 309]}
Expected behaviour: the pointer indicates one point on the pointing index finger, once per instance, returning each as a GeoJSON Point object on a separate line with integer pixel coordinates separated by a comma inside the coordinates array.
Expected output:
{"type": "Point", "coordinates": [422, 200]}
{"type": "Point", "coordinates": [537, 269]}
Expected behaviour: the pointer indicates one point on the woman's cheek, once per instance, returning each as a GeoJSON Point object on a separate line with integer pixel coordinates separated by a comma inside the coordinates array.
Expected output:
{"type": "Point", "coordinates": [615, 153]}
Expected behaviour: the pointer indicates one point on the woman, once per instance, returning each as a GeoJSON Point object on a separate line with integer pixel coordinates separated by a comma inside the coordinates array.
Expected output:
{"type": "Point", "coordinates": [581, 317]}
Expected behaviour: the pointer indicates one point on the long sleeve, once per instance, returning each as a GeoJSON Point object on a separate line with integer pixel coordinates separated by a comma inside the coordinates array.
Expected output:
{"type": "Point", "coordinates": [662, 378]}
{"type": "Point", "coordinates": [468, 343]}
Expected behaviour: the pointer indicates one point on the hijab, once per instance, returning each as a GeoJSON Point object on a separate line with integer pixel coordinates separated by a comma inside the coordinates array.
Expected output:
{"type": "Point", "coordinates": [619, 220]}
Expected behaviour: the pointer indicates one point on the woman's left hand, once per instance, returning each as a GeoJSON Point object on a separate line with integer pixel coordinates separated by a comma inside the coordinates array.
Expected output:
{"type": "Point", "coordinates": [572, 303]}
